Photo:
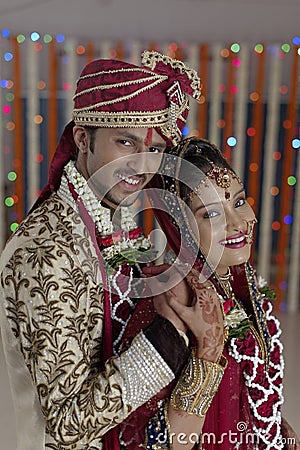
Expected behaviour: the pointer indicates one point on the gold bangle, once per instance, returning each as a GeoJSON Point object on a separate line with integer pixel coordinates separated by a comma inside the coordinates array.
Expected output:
{"type": "Point", "coordinates": [197, 385]}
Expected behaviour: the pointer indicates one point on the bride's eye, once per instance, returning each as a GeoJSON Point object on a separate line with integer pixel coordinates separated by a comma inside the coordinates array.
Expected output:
{"type": "Point", "coordinates": [210, 214]}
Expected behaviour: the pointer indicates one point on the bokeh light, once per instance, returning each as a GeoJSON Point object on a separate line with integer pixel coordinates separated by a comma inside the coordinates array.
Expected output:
{"type": "Point", "coordinates": [251, 201]}
{"type": "Point", "coordinates": [14, 226]}
{"type": "Point", "coordinates": [34, 36]}
{"type": "Point", "coordinates": [9, 201]}
{"type": "Point", "coordinates": [254, 96]}
{"type": "Point", "coordinates": [236, 62]}
{"type": "Point", "coordinates": [80, 50]}
{"type": "Point", "coordinates": [47, 38]}
{"type": "Point", "coordinates": [288, 219]}
{"type": "Point", "coordinates": [259, 48]}
{"type": "Point", "coordinates": [235, 48]}
{"type": "Point", "coordinates": [60, 38]}
{"type": "Point", "coordinates": [185, 131]}
{"type": "Point", "coordinates": [276, 156]}
{"type": "Point", "coordinates": [285, 48]}
{"type": "Point", "coordinates": [5, 33]}
{"type": "Point", "coordinates": [296, 40]}
{"type": "Point", "coordinates": [251, 131]}
{"type": "Point", "coordinates": [292, 180]}
{"type": "Point", "coordinates": [274, 191]}
{"type": "Point", "coordinates": [283, 285]}
{"type": "Point", "coordinates": [12, 176]}
{"type": "Point", "coordinates": [253, 167]}
{"type": "Point", "coordinates": [8, 56]}
{"type": "Point", "coordinates": [21, 38]}
{"type": "Point", "coordinates": [296, 143]}
{"type": "Point", "coordinates": [41, 84]}
{"type": "Point", "coordinates": [231, 141]}
{"type": "Point", "coordinates": [224, 53]}
{"type": "Point", "coordinates": [276, 225]}
{"type": "Point", "coordinates": [6, 109]}
{"type": "Point", "coordinates": [38, 119]}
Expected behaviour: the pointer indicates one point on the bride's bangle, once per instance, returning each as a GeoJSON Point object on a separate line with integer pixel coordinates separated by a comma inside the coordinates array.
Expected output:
{"type": "Point", "coordinates": [197, 385]}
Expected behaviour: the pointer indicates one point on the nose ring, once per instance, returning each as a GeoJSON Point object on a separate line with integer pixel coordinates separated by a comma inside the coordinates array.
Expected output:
{"type": "Point", "coordinates": [250, 228]}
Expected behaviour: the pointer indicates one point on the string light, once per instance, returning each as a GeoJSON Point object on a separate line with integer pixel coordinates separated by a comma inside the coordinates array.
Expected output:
{"type": "Point", "coordinates": [47, 38]}
{"type": "Point", "coordinates": [276, 225]}
{"type": "Point", "coordinates": [6, 109]}
{"type": "Point", "coordinates": [292, 180]}
{"type": "Point", "coordinates": [231, 141]}
{"type": "Point", "coordinates": [185, 131]}
{"type": "Point", "coordinates": [274, 191]}
{"type": "Point", "coordinates": [5, 33]}
{"type": "Point", "coordinates": [12, 176]}
{"type": "Point", "coordinates": [38, 119]}
{"type": "Point", "coordinates": [276, 156]}
{"type": "Point", "coordinates": [254, 96]}
{"type": "Point", "coordinates": [283, 285]}
{"type": "Point", "coordinates": [80, 50]}
{"type": "Point", "coordinates": [285, 48]}
{"type": "Point", "coordinates": [288, 220]}
{"type": "Point", "coordinates": [225, 53]}
{"type": "Point", "coordinates": [34, 36]}
{"type": "Point", "coordinates": [296, 40]}
{"type": "Point", "coordinates": [251, 131]}
{"type": "Point", "coordinates": [21, 38]}
{"type": "Point", "coordinates": [236, 62]}
{"type": "Point", "coordinates": [259, 48]}
{"type": "Point", "coordinates": [4, 84]}
{"type": "Point", "coordinates": [9, 201]}
{"type": "Point", "coordinates": [235, 48]}
{"type": "Point", "coordinates": [296, 143]}
{"type": "Point", "coordinates": [8, 56]}
{"type": "Point", "coordinates": [60, 38]}
{"type": "Point", "coordinates": [14, 226]}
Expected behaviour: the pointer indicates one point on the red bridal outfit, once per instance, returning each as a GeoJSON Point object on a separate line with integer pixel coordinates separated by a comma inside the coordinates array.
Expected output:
{"type": "Point", "coordinates": [246, 410]}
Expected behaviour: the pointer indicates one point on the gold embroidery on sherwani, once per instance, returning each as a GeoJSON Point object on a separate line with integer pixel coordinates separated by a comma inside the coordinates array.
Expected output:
{"type": "Point", "coordinates": [52, 297]}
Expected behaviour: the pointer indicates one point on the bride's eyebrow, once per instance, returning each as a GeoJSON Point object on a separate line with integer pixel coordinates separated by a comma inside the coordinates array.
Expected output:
{"type": "Point", "coordinates": [239, 192]}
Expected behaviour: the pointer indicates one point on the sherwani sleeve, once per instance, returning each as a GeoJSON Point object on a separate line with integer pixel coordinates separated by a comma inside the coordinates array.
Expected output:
{"type": "Point", "coordinates": [55, 312]}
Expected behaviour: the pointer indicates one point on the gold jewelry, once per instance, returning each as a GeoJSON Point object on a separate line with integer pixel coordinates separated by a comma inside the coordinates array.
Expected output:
{"type": "Point", "coordinates": [198, 384]}
{"type": "Point", "coordinates": [250, 228]}
{"type": "Point", "coordinates": [221, 175]}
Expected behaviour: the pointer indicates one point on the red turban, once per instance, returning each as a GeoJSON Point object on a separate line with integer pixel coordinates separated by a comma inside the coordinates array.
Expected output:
{"type": "Point", "coordinates": [112, 93]}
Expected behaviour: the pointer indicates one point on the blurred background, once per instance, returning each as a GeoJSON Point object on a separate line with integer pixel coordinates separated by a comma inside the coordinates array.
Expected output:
{"type": "Point", "coordinates": [248, 56]}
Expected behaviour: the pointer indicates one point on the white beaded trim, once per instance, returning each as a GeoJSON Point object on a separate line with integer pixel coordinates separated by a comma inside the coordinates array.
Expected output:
{"type": "Point", "coordinates": [144, 371]}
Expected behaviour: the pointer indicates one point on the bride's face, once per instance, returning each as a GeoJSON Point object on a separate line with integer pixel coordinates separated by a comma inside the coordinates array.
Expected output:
{"type": "Point", "coordinates": [223, 224]}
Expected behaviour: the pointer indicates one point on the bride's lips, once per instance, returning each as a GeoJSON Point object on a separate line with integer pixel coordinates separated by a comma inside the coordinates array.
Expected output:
{"type": "Point", "coordinates": [236, 241]}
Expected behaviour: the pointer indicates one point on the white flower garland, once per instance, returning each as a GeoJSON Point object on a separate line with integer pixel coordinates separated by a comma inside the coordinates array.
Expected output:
{"type": "Point", "coordinates": [264, 435]}
{"type": "Point", "coordinates": [101, 216]}
{"type": "Point", "coordinates": [99, 213]}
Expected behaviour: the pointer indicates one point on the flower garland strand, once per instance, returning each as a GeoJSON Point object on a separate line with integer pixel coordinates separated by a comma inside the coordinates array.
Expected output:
{"type": "Point", "coordinates": [265, 389]}
{"type": "Point", "coordinates": [128, 244]}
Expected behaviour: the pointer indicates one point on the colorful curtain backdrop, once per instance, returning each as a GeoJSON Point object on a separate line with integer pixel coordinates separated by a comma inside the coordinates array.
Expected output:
{"type": "Point", "coordinates": [249, 106]}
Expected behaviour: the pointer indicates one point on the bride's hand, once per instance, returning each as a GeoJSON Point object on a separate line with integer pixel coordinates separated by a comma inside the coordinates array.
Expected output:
{"type": "Point", "coordinates": [204, 318]}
